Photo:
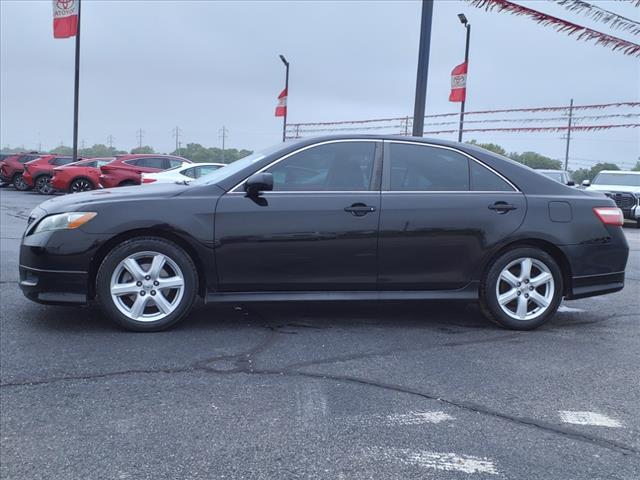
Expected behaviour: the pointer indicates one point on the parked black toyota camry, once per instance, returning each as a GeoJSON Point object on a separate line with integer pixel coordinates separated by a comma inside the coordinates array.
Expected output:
{"type": "Point", "coordinates": [332, 218]}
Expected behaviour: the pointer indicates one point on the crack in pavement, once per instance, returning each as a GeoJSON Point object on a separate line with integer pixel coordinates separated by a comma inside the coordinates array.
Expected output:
{"type": "Point", "coordinates": [243, 363]}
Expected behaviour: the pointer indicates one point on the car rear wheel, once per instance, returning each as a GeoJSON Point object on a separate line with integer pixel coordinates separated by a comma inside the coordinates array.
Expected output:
{"type": "Point", "coordinates": [146, 284]}
{"type": "Point", "coordinates": [19, 183]}
{"type": "Point", "coordinates": [81, 185]}
{"type": "Point", "coordinates": [522, 289]}
{"type": "Point", "coordinates": [43, 185]}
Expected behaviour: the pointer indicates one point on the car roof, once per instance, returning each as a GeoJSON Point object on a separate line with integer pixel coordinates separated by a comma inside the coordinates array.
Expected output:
{"type": "Point", "coordinates": [549, 170]}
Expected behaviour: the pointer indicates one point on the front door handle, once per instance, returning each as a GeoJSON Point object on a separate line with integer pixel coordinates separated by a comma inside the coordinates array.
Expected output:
{"type": "Point", "coordinates": [502, 207]}
{"type": "Point", "coordinates": [359, 209]}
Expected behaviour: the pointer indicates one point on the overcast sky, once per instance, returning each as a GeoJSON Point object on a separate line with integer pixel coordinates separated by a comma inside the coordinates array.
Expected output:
{"type": "Point", "coordinates": [203, 64]}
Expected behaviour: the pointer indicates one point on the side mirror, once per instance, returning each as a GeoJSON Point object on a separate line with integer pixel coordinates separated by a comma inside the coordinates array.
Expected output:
{"type": "Point", "coordinates": [571, 183]}
{"type": "Point", "coordinates": [258, 182]}
{"type": "Point", "coordinates": [586, 183]}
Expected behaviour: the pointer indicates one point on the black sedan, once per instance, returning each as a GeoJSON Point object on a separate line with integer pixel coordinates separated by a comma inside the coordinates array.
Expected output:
{"type": "Point", "coordinates": [333, 218]}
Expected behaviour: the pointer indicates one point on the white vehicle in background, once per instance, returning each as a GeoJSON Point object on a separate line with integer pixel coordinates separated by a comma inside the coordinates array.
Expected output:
{"type": "Point", "coordinates": [561, 176]}
{"type": "Point", "coordinates": [622, 187]}
{"type": "Point", "coordinates": [183, 173]}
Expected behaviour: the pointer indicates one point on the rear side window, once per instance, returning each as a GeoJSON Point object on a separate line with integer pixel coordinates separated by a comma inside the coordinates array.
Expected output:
{"type": "Point", "coordinates": [191, 172]}
{"type": "Point", "coordinates": [149, 162]}
{"type": "Point", "coordinates": [61, 160]}
{"type": "Point", "coordinates": [173, 162]}
{"type": "Point", "coordinates": [425, 168]}
{"type": "Point", "coordinates": [28, 158]}
{"type": "Point", "coordinates": [484, 180]}
{"type": "Point", "coordinates": [206, 169]}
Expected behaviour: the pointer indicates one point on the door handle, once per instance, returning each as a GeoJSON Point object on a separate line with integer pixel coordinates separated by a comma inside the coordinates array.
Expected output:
{"type": "Point", "coordinates": [359, 209]}
{"type": "Point", "coordinates": [502, 207]}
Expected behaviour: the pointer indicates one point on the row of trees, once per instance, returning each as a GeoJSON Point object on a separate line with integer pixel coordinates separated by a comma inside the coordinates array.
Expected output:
{"type": "Point", "coordinates": [536, 160]}
{"type": "Point", "coordinates": [193, 151]}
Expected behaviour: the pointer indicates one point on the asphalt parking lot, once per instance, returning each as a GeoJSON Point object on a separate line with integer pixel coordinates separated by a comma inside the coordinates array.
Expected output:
{"type": "Point", "coordinates": [326, 391]}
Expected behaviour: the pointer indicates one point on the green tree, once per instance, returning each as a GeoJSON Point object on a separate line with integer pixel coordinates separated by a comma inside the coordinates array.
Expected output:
{"type": "Point", "coordinates": [637, 167]}
{"type": "Point", "coordinates": [100, 150]}
{"type": "Point", "coordinates": [197, 153]}
{"type": "Point", "coordinates": [535, 160]}
{"type": "Point", "coordinates": [492, 147]}
{"type": "Point", "coordinates": [143, 149]}
{"type": "Point", "coordinates": [62, 150]}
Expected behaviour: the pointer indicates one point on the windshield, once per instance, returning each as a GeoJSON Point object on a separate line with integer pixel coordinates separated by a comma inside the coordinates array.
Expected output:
{"type": "Point", "coordinates": [235, 167]}
{"type": "Point", "coordinates": [626, 179]}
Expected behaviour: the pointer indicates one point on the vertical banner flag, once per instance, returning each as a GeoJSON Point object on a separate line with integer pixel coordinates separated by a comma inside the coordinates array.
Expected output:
{"type": "Point", "coordinates": [281, 109]}
{"type": "Point", "coordinates": [65, 18]}
{"type": "Point", "coordinates": [458, 83]}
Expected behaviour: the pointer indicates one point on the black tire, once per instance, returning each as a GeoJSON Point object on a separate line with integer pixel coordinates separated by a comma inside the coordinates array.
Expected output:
{"type": "Point", "coordinates": [43, 185]}
{"type": "Point", "coordinates": [81, 184]}
{"type": "Point", "coordinates": [138, 245]}
{"type": "Point", "coordinates": [19, 183]}
{"type": "Point", "coordinates": [490, 305]}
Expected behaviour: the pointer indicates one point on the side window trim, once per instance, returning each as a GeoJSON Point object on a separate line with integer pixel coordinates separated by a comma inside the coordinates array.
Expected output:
{"type": "Point", "coordinates": [386, 178]}
{"type": "Point", "coordinates": [375, 173]}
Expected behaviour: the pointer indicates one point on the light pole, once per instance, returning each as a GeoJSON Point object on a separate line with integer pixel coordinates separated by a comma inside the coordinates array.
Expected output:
{"type": "Point", "coordinates": [286, 88]}
{"type": "Point", "coordinates": [467, 25]}
{"type": "Point", "coordinates": [423, 68]}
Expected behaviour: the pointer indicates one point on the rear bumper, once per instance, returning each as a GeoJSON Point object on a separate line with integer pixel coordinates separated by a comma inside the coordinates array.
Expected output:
{"type": "Point", "coordinates": [593, 285]}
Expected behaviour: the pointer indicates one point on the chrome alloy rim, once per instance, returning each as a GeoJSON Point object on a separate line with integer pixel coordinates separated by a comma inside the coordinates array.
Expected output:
{"type": "Point", "coordinates": [525, 289]}
{"type": "Point", "coordinates": [20, 183]}
{"type": "Point", "coordinates": [44, 185]}
{"type": "Point", "coordinates": [81, 185]}
{"type": "Point", "coordinates": [147, 286]}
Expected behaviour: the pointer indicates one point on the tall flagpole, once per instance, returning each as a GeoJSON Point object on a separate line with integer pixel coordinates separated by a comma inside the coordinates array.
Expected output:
{"type": "Point", "coordinates": [76, 88]}
{"type": "Point", "coordinates": [286, 89]}
{"type": "Point", "coordinates": [463, 19]}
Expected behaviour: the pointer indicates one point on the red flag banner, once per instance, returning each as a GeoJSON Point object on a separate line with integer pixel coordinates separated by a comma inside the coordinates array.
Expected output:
{"type": "Point", "coordinates": [281, 109]}
{"type": "Point", "coordinates": [65, 18]}
{"type": "Point", "coordinates": [458, 83]}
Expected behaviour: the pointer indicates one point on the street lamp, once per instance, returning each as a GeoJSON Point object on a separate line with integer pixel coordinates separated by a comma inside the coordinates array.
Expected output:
{"type": "Point", "coordinates": [423, 68]}
{"type": "Point", "coordinates": [467, 25]}
{"type": "Point", "coordinates": [286, 88]}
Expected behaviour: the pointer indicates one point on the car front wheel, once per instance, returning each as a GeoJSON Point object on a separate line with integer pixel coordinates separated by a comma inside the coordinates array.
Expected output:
{"type": "Point", "coordinates": [522, 289]}
{"type": "Point", "coordinates": [146, 284]}
{"type": "Point", "coordinates": [19, 183]}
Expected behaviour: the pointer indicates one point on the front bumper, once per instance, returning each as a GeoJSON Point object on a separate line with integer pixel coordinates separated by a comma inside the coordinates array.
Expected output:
{"type": "Point", "coordinates": [54, 287]}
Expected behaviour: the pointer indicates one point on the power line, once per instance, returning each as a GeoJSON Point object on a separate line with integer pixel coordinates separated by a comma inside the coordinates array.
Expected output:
{"type": "Point", "coordinates": [176, 132]}
{"type": "Point", "coordinates": [140, 135]}
{"type": "Point", "coordinates": [110, 141]}
{"type": "Point", "coordinates": [224, 132]}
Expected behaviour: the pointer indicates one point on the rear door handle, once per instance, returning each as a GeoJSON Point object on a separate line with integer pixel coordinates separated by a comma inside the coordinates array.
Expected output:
{"type": "Point", "coordinates": [502, 207]}
{"type": "Point", "coordinates": [359, 209]}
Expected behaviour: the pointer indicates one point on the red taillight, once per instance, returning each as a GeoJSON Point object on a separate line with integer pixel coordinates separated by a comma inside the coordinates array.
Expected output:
{"type": "Point", "coordinates": [610, 215]}
{"type": "Point", "coordinates": [148, 180]}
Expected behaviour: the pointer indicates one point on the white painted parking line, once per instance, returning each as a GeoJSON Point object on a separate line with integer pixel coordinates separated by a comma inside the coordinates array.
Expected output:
{"type": "Point", "coordinates": [449, 462]}
{"type": "Point", "coordinates": [417, 418]}
{"type": "Point", "coordinates": [588, 418]}
{"type": "Point", "coordinates": [564, 308]}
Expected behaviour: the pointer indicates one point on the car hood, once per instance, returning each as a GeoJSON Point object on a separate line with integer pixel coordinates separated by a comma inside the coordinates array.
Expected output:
{"type": "Point", "coordinates": [613, 188]}
{"type": "Point", "coordinates": [78, 201]}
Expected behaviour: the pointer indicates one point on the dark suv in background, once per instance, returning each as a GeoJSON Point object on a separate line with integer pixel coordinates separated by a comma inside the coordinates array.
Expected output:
{"type": "Point", "coordinates": [126, 170]}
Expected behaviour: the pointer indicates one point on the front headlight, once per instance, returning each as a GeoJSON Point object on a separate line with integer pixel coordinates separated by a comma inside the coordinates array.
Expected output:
{"type": "Point", "coordinates": [64, 221]}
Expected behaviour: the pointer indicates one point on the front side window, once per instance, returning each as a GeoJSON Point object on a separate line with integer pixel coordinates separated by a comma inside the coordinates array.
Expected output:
{"type": "Point", "coordinates": [150, 162]}
{"type": "Point", "coordinates": [424, 168]}
{"type": "Point", "coordinates": [174, 162]}
{"type": "Point", "coordinates": [61, 160]}
{"type": "Point", "coordinates": [340, 166]}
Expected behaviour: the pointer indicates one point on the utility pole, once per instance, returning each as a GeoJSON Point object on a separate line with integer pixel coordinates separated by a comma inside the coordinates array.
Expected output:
{"type": "Point", "coordinates": [76, 88]}
{"type": "Point", "coordinates": [110, 141]}
{"type": "Point", "coordinates": [82, 145]}
{"type": "Point", "coordinates": [223, 135]}
{"type": "Point", "coordinates": [139, 135]}
{"type": "Point", "coordinates": [176, 133]}
{"type": "Point", "coordinates": [286, 89]}
{"type": "Point", "coordinates": [566, 153]}
{"type": "Point", "coordinates": [464, 21]}
{"type": "Point", "coordinates": [423, 68]}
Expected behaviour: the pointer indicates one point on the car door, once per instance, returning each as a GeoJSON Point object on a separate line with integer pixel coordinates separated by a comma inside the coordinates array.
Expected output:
{"type": "Point", "coordinates": [316, 231]}
{"type": "Point", "coordinates": [441, 212]}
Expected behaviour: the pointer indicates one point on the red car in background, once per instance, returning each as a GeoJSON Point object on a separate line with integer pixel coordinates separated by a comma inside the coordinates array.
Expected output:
{"type": "Point", "coordinates": [12, 166]}
{"type": "Point", "coordinates": [126, 169]}
{"type": "Point", "coordinates": [37, 173]}
{"type": "Point", "coordinates": [80, 176]}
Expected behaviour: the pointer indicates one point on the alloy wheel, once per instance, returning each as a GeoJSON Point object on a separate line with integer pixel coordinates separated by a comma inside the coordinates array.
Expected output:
{"type": "Point", "coordinates": [19, 183]}
{"type": "Point", "coordinates": [147, 286]}
{"type": "Point", "coordinates": [43, 185]}
{"type": "Point", "coordinates": [81, 185]}
{"type": "Point", "coordinates": [525, 288]}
